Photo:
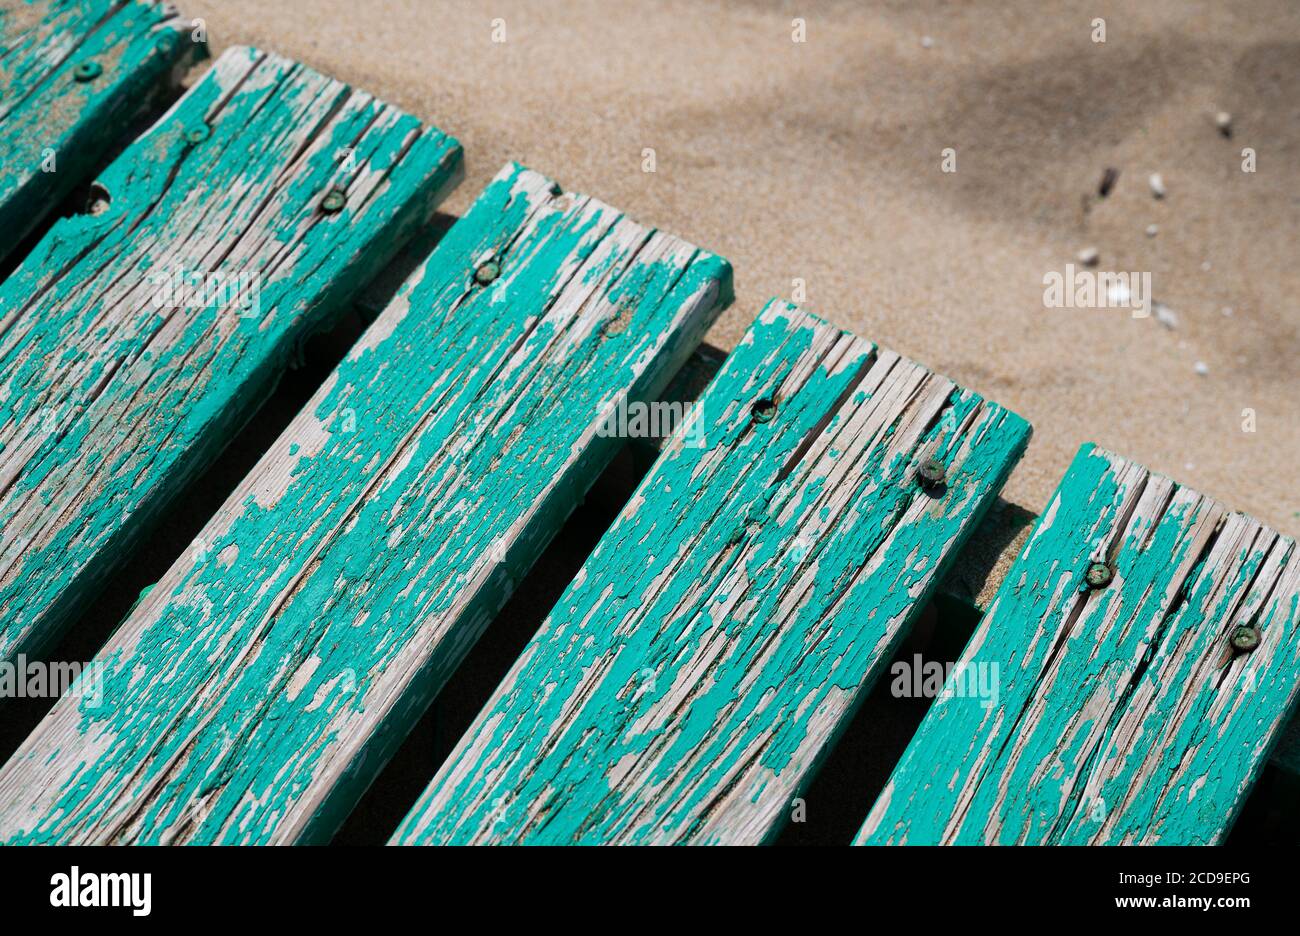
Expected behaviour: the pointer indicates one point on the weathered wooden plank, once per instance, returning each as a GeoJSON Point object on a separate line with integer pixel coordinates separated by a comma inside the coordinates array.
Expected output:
{"type": "Point", "coordinates": [687, 684]}
{"type": "Point", "coordinates": [72, 76]}
{"type": "Point", "coordinates": [115, 388]}
{"type": "Point", "coordinates": [1123, 714]}
{"type": "Point", "coordinates": [256, 690]}
{"type": "Point", "coordinates": [978, 568]}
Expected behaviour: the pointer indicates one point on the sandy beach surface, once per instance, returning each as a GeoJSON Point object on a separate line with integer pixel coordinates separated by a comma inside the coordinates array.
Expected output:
{"type": "Point", "coordinates": [823, 161]}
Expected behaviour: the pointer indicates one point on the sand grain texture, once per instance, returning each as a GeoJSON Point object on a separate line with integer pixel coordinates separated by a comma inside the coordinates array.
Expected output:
{"type": "Point", "coordinates": [821, 161]}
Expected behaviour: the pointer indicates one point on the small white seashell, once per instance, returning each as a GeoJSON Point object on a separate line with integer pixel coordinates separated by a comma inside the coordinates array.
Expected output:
{"type": "Point", "coordinates": [1157, 184]}
{"type": "Point", "coordinates": [1223, 120]}
{"type": "Point", "coordinates": [927, 42]}
{"type": "Point", "coordinates": [1165, 316]}
{"type": "Point", "coordinates": [1202, 368]}
{"type": "Point", "coordinates": [1152, 230]}
{"type": "Point", "coordinates": [1089, 256]}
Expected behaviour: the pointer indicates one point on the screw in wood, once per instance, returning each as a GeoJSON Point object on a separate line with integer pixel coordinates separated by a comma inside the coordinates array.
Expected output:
{"type": "Point", "coordinates": [198, 133]}
{"type": "Point", "coordinates": [1099, 575]}
{"type": "Point", "coordinates": [333, 201]}
{"type": "Point", "coordinates": [763, 410]}
{"type": "Point", "coordinates": [88, 70]}
{"type": "Point", "coordinates": [1245, 638]}
{"type": "Point", "coordinates": [486, 272]}
{"type": "Point", "coordinates": [931, 474]}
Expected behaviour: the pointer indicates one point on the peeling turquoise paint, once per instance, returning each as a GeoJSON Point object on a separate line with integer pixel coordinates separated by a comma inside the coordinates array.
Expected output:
{"type": "Point", "coordinates": [255, 693]}
{"type": "Point", "coordinates": [675, 655]}
{"type": "Point", "coordinates": [1133, 725]}
{"type": "Point", "coordinates": [110, 406]}
{"type": "Point", "coordinates": [51, 121]}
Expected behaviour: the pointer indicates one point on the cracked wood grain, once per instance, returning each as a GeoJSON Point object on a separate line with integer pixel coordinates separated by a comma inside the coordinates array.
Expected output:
{"type": "Point", "coordinates": [688, 682]}
{"type": "Point", "coordinates": [1123, 714]}
{"type": "Point", "coordinates": [54, 128]}
{"type": "Point", "coordinates": [257, 689]}
{"type": "Point", "coordinates": [114, 395]}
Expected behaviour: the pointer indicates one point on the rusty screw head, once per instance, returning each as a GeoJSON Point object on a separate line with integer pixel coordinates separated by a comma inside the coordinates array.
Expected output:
{"type": "Point", "coordinates": [88, 70]}
{"type": "Point", "coordinates": [198, 133]}
{"type": "Point", "coordinates": [1099, 575]}
{"type": "Point", "coordinates": [763, 410]}
{"type": "Point", "coordinates": [334, 201]}
{"type": "Point", "coordinates": [487, 272]}
{"type": "Point", "coordinates": [931, 475]}
{"type": "Point", "coordinates": [1245, 638]}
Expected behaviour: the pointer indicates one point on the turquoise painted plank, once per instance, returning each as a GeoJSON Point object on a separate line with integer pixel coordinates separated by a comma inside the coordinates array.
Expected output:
{"type": "Point", "coordinates": [688, 683]}
{"type": "Point", "coordinates": [117, 383]}
{"type": "Point", "coordinates": [72, 76]}
{"type": "Point", "coordinates": [1124, 714]}
{"type": "Point", "coordinates": [257, 689]}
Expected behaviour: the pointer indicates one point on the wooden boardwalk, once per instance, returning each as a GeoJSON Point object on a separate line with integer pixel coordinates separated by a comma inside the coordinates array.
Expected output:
{"type": "Point", "coordinates": [722, 633]}
{"type": "Point", "coordinates": [124, 368]}
{"type": "Point", "coordinates": [351, 570]}
{"type": "Point", "coordinates": [1128, 683]}
{"type": "Point", "coordinates": [1147, 646]}
{"type": "Point", "coordinates": [74, 76]}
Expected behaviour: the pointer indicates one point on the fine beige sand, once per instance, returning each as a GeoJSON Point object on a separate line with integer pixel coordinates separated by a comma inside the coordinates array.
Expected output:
{"type": "Point", "coordinates": [821, 161]}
